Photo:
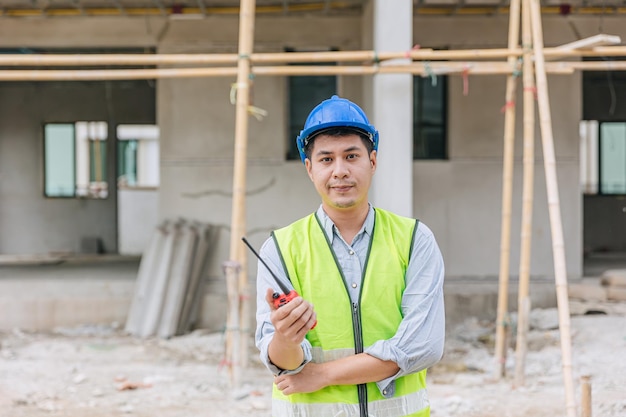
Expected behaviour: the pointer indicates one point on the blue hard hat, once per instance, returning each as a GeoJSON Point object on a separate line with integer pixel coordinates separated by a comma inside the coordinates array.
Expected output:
{"type": "Point", "coordinates": [335, 112]}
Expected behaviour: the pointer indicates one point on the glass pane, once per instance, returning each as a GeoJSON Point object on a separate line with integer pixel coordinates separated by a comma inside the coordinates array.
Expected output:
{"type": "Point", "coordinates": [60, 175]}
{"type": "Point", "coordinates": [127, 162]}
{"type": "Point", "coordinates": [613, 158]}
{"type": "Point", "coordinates": [429, 143]}
{"type": "Point", "coordinates": [429, 118]}
{"type": "Point", "coordinates": [97, 161]}
{"type": "Point", "coordinates": [432, 103]}
{"type": "Point", "coordinates": [589, 169]}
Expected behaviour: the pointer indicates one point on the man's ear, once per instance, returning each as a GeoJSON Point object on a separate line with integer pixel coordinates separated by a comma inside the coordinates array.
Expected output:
{"type": "Point", "coordinates": [373, 161]}
{"type": "Point", "coordinates": [308, 166]}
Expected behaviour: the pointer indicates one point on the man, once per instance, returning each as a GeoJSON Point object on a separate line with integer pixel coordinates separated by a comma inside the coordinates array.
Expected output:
{"type": "Point", "coordinates": [375, 279]}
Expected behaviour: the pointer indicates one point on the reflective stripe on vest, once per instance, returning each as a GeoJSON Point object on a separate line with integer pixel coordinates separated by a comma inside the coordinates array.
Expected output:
{"type": "Point", "coordinates": [306, 254]}
{"type": "Point", "coordinates": [415, 404]}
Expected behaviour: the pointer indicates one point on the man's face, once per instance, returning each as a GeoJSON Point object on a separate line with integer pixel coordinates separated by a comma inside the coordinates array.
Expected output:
{"type": "Point", "coordinates": [341, 170]}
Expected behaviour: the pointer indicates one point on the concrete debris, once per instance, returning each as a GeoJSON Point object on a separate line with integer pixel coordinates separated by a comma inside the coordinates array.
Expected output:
{"type": "Point", "coordinates": [614, 277]}
{"type": "Point", "coordinates": [544, 319]}
{"type": "Point", "coordinates": [79, 379]}
{"type": "Point", "coordinates": [132, 385]}
{"type": "Point", "coordinates": [610, 286]}
{"type": "Point", "coordinates": [55, 374]}
{"type": "Point", "coordinates": [88, 330]}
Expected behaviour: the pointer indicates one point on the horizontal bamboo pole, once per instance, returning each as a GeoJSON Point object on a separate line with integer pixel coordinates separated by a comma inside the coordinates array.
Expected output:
{"type": "Point", "coordinates": [138, 74]}
{"type": "Point", "coordinates": [423, 69]}
{"type": "Point", "coordinates": [292, 57]}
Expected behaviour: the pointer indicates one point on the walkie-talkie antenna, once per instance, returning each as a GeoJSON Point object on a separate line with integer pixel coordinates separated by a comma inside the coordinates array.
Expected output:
{"type": "Point", "coordinates": [282, 286]}
{"type": "Point", "coordinates": [279, 300]}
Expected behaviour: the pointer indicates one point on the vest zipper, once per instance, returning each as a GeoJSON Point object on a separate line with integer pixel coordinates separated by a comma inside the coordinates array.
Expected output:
{"type": "Point", "coordinates": [356, 314]}
{"type": "Point", "coordinates": [358, 348]}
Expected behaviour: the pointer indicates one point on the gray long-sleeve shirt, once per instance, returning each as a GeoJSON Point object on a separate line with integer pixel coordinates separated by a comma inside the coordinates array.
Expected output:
{"type": "Point", "coordinates": [418, 342]}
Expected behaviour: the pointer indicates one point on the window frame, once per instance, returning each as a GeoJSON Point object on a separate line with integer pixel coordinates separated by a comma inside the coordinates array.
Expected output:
{"type": "Point", "coordinates": [89, 195]}
{"type": "Point", "coordinates": [418, 125]}
{"type": "Point", "coordinates": [45, 160]}
{"type": "Point", "coordinates": [601, 190]}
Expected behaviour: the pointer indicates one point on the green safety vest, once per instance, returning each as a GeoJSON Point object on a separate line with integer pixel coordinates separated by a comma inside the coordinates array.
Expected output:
{"type": "Point", "coordinates": [344, 329]}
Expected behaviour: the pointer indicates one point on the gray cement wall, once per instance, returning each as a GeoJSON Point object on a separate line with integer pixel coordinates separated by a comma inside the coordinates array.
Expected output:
{"type": "Point", "coordinates": [30, 222]}
{"type": "Point", "coordinates": [100, 292]}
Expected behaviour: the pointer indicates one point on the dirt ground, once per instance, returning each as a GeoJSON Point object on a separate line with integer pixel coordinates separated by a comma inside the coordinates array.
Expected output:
{"type": "Point", "coordinates": [98, 371]}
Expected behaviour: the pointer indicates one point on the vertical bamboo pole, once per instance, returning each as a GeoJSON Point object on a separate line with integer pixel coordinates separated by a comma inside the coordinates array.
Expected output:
{"type": "Point", "coordinates": [585, 396]}
{"type": "Point", "coordinates": [507, 185]}
{"type": "Point", "coordinates": [524, 302]}
{"type": "Point", "coordinates": [554, 207]}
{"type": "Point", "coordinates": [236, 271]}
{"type": "Point", "coordinates": [247, 34]}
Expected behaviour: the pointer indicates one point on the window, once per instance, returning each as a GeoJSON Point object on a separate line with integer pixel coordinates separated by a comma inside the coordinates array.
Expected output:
{"type": "Point", "coordinates": [613, 158]}
{"type": "Point", "coordinates": [60, 169]}
{"type": "Point", "coordinates": [127, 162]}
{"type": "Point", "coordinates": [75, 160]}
{"type": "Point", "coordinates": [430, 117]}
{"type": "Point", "coordinates": [603, 131]}
{"type": "Point", "coordinates": [603, 157]}
{"type": "Point", "coordinates": [137, 156]}
{"type": "Point", "coordinates": [305, 92]}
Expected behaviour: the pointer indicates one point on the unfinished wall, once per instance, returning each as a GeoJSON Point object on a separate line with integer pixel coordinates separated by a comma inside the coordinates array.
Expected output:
{"type": "Point", "coordinates": [459, 199]}
{"type": "Point", "coordinates": [31, 223]}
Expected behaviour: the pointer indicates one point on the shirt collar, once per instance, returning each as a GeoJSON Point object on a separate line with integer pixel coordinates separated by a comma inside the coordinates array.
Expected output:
{"type": "Point", "coordinates": [329, 226]}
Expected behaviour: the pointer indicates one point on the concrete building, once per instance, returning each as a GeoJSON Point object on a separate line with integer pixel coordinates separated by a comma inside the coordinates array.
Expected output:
{"type": "Point", "coordinates": [453, 183]}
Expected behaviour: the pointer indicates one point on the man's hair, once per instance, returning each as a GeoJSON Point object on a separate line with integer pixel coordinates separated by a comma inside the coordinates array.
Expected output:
{"type": "Point", "coordinates": [339, 132]}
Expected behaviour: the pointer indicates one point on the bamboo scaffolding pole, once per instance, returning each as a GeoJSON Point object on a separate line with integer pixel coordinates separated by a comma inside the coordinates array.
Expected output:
{"type": "Point", "coordinates": [423, 69]}
{"type": "Point", "coordinates": [554, 208]}
{"type": "Point", "coordinates": [590, 42]}
{"type": "Point", "coordinates": [585, 396]}
{"type": "Point", "coordinates": [237, 343]}
{"type": "Point", "coordinates": [507, 187]}
{"type": "Point", "coordinates": [294, 57]}
{"type": "Point", "coordinates": [244, 78]}
{"type": "Point", "coordinates": [523, 298]}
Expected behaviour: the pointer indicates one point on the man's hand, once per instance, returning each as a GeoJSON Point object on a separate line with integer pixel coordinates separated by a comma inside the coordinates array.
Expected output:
{"type": "Point", "coordinates": [351, 370]}
{"type": "Point", "coordinates": [293, 320]}
{"type": "Point", "coordinates": [310, 379]}
{"type": "Point", "coordinates": [291, 323]}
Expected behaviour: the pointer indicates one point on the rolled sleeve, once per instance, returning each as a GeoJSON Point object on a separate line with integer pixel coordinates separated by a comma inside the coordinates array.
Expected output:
{"type": "Point", "coordinates": [419, 341]}
{"type": "Point", "coordinates": [264, 327]}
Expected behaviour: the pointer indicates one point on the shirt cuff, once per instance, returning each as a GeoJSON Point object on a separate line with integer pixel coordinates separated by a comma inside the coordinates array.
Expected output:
{"type": "Point", "coordinates": [308, 356]}
{"type": "Point", "coordinates": [385, 352]}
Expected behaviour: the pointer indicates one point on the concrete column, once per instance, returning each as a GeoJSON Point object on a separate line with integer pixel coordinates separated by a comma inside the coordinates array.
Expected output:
{"type": "Point", "coordinates": [390, 107]}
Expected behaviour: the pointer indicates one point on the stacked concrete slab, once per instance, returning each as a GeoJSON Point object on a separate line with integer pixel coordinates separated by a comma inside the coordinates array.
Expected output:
{"type": "Point", "coordinates": [168, 287]}
{"type": "Point", "coordinates": [614, 281]}
{"type": "Point", "coordinates": [611, 286]}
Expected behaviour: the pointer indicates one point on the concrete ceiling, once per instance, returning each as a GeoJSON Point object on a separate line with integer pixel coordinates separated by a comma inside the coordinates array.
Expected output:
{"type": "Point", "coordinates": [52, 8]}
{"type": "Point", "coordinates": [83, 8]}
